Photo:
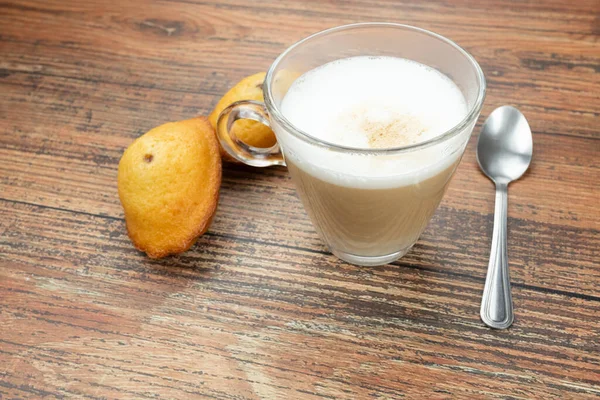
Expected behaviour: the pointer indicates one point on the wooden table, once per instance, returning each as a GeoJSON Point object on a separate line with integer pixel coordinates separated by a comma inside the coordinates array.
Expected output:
{"type": "Point", "coordinates": [259, 308]}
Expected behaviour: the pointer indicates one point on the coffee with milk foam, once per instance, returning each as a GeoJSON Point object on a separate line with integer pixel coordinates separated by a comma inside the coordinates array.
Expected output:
{"type": "Point", "coordinates": [371, 205]}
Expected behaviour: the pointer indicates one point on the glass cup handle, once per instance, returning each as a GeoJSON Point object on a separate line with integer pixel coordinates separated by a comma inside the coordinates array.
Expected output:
{"type": "Point", "coordinates": [254, 156]}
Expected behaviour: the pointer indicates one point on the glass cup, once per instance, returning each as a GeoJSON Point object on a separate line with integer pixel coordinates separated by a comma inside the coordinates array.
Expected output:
{"type": "Point", "coordinates": [364, 218]}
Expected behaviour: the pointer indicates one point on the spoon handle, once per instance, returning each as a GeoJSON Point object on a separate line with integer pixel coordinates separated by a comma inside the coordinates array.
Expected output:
{"type": "Point", "coordinates": [496, 304]}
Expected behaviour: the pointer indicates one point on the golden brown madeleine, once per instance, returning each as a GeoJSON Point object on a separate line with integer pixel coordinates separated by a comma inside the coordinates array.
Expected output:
{"type": "Point", "coordinates": [250, 132]}
{"type": "Point", "coordinates": [168, 182]}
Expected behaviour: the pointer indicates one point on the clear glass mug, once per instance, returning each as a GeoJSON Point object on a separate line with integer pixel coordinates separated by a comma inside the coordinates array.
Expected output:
{"type": "Point", "coordinates": [365, 219]}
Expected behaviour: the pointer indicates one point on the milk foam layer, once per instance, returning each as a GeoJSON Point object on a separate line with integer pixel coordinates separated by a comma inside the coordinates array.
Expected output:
{"type": "Point", "coordinates": [374, 102]}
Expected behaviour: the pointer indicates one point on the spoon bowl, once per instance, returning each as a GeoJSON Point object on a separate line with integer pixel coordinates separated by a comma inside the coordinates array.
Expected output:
{"type": "Point", "coordinates": [505, 145]}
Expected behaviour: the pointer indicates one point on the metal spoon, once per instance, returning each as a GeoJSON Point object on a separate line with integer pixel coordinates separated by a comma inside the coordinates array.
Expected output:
{"type": "Point", "coordinates": [504, 150]}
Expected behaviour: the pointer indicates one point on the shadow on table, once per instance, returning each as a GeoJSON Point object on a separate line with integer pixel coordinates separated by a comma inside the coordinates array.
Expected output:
{"type": "Point", "coordinates": [188, 266]}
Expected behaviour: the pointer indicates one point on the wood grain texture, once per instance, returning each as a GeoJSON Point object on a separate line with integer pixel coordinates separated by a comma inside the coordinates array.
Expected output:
{"type": "Point", "coordinates": [258, 309]}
